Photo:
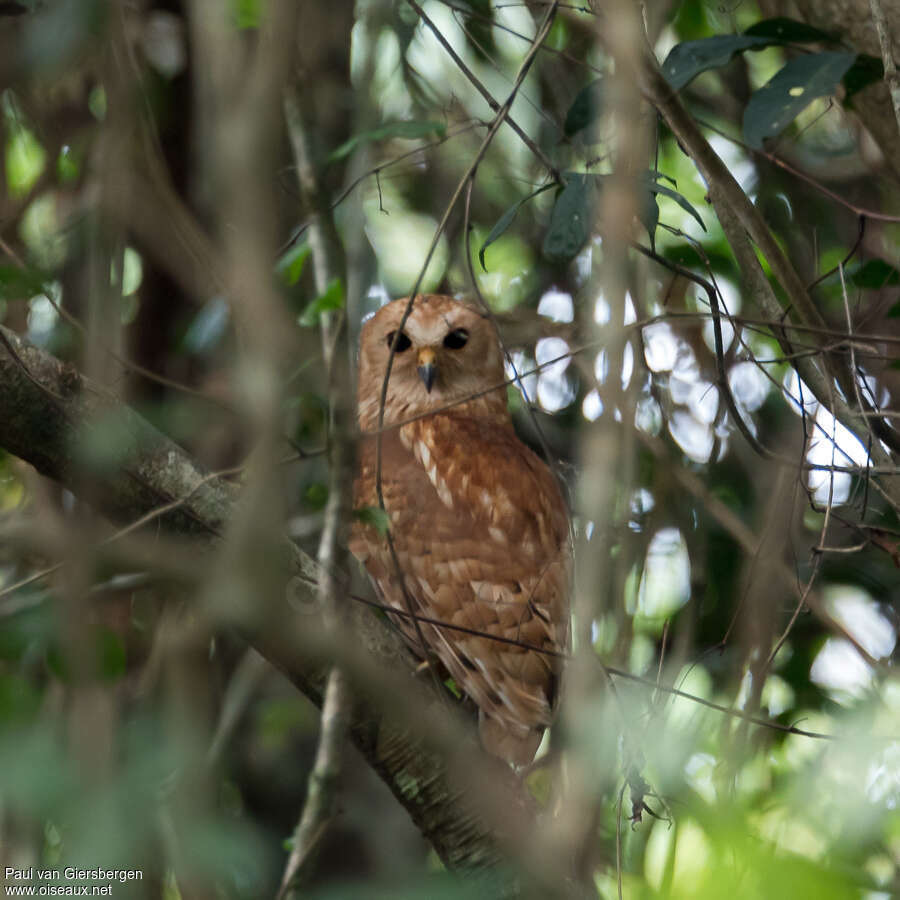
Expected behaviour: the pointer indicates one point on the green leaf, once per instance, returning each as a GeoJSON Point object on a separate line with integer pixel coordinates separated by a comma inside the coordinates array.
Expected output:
{"type": "Point", "coordinates": [247, 13]}
{"type": "Point", "coordinates": [68, 165]}
{"type": "Point", "coordinates": [657, 188]}
{"type": "Point", "coordinates": [25, 161]}
{"type": "Point", "coordinates": [775, 105]}
{"type": "Point", "coordinates": [865, 70]}
{"type": "Point", "coordinates": [570, 221]}
{"type": "Point", "coordinates": [374, 516]}
{"type": "Point", "coordinates": [687, 60]}
{"type": "Point", "coordinates": [111, 657]}
{"type": "Point", "coordinates": [506, 220]}
{"type": "Point", "coordinates": [875, 273]}
{"type": "Point", "coordinates": [790, 31]}
{"type": "Point", "coordinates": [331, 300]}
{"type": "Point", "coordinates": [20, 284]}
{"type": "Point", "coordinates": [894, 311]}
{"type": "Point", "coordinates": [648, 213]}
{"type": "Point", "coordinates": [409, 130]}
{"type": "Point", "coordinates": [315, 495]}
{"type": "Point", "coordinates": [20, 701]}
{"type": "Point", "coordinates": [290, 266]}
{"type": "Point", "coordinates": [585, 108]}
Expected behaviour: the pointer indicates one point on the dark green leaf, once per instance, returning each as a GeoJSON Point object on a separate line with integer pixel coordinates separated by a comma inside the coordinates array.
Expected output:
{"type": "Point", "coordinates": [686, 61]}
{"type": "Point", "coordinates": [656, 188]}
{"type": "Point", "coordinates": [20, 284]}
{"type": "Point", "coordinates": [20, 701]}
{"type": "Point", "coordinates": [331, 300]}
{"type": "Point", "coordinates": [875, 273]}
{"type": "Point", "coordinates": [374, 516]}
{"type": "Point", "coordinates": [648, 213]}
{"type": "Point", "coordinates": [407, 130]}
{"type": "Point", "coordinates": [290, 266]}
{"type": "Point", "coordinates": [790, 31]}
{"type": "Point", "coordinates": [505, 221]}
{"type": "Point", "coordinates": [111, 659]}
{"type": "Point", "coordinates": [585, 108]}
{"type": "Point", "coordinates": [570, 221]}
{"type": "Point", "coordinates": [775, 105]}
{"type": "Point", "coordinates": [894, 311]}
{"type": "Point", "coordinates": [865, 70]}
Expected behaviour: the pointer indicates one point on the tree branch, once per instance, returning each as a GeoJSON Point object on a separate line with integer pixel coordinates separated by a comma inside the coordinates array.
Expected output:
{"type": "Point", "coordinates": [48, 411]}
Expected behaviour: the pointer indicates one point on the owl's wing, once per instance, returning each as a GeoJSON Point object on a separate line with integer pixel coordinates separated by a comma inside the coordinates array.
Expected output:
{"type": "Point", "coordinates": [481, 534]}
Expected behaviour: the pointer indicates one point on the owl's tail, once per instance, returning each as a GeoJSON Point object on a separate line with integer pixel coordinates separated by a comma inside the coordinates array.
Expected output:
{"type": "Point", "coordinates": [515, 745]}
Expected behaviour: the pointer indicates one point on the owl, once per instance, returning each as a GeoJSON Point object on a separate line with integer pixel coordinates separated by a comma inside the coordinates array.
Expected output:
{"type": "Point", "coordinates": [477, 520]}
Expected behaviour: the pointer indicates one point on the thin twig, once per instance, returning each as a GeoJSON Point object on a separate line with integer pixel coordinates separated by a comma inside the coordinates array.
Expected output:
{"type": "Point", "coordinates": [320, 807]}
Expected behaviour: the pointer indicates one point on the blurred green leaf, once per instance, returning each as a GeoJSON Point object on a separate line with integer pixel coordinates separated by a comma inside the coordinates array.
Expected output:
{"type": "Point", "coordinates": [97, 102]}
{"type": "Point", "coordinates": [330, 301]}
{"type": "Point", "coordinates": [247, 13]}
{"type": "Point", "coordinates": [19, 700]}
{"type": "Point", "coordinates": [775, 105]}
{"type": "Point", "coordinates": [894, 311]}
{"type": "Point", "coordinates": [407, 130]}
{"type": "Point", "coordinates": [687, 60]}
{"type": "Point", "coordinates": [865, 70]}
{"type": "Point", "coordinates": [17, 283]}
{"type": "Point", "coordinates": [25, 161]}
{"type": "Point", "coordinates": [506, 220]}
{"type": "Point", "coordinates": [68, 165]}
{"type": "Point", "coordinates": [111, 655]}
{"type": "Point", "coordinates": [315, 495]}
{"type": "Point", "coordinates": [374, 516]}
{"type": "Point", "coordinates": [571, 219]}
{"type": "Point", "coordinates": [874, 273]}
{"type": "Point", "coordinates": [29, 630]}
{"type": "Point", "coordinates": [585, 108]}
{"type": "Point", "coordinates": [648, 213]}
{"type": "Point", "coordinates": [791, 31]}
{"type": "Point", "coordinates": [290, 266]}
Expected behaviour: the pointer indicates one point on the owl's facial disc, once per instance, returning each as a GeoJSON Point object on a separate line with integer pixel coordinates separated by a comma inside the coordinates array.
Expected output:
{"type": "Point", "coordinates": [427, 367]}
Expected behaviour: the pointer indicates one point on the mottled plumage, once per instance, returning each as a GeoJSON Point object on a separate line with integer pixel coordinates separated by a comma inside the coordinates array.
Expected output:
{"type": "Point", "coordinates": [477, 519]}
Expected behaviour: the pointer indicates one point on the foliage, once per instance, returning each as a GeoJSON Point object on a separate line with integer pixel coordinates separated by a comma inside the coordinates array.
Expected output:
{"type": "Point", "coordinates": [735, 520]}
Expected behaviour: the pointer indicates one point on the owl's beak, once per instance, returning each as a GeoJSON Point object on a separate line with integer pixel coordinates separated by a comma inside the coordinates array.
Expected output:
{"type": "Point", "coordinates": [427, 369]}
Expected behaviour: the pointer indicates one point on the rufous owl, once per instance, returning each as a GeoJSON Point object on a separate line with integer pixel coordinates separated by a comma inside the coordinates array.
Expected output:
{"type": "Point", "coordinates": [477, 520]}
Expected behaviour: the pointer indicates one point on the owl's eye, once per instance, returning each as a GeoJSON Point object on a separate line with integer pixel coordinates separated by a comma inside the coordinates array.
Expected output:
{"type": "Point", "coordinates": [403, 342]}
{"type": "Point", "coordinates": [457, 339]}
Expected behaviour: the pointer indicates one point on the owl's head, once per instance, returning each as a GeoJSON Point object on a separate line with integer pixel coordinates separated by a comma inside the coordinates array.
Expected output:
{"type": "Point", "coordinates": [446, 355]}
